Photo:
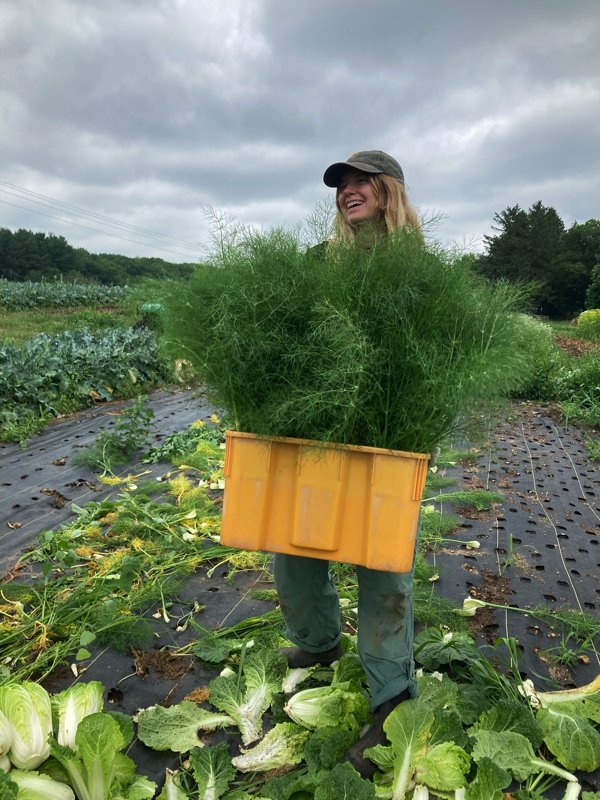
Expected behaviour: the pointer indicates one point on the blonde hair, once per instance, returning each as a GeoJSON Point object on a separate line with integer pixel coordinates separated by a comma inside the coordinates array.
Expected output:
{"type": "Point", "coordinates": [394, 207]}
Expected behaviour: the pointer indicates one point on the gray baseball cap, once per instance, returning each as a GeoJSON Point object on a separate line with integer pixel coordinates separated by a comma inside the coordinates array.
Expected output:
{"type": "Point", "coordinates": [375, 161]}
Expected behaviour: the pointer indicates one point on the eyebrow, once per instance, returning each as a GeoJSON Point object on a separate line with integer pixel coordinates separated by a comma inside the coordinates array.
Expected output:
{"type": "Point", "coordinates": [357, 176]}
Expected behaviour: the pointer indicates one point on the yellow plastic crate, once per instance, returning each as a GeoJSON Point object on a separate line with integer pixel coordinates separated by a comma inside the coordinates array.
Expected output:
{"type": "Point", "coordinates": [358, 505]}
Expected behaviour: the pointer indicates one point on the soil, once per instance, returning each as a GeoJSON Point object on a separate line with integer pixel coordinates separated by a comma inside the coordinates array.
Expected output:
{"type": "Point", "coordinates": [574, 347]}
{"type": "Point", "coordinates": [160, 662]}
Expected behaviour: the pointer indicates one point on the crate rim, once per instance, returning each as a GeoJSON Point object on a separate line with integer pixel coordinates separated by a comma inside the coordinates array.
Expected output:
{"type": "Point", "coordinates": [315, 444]}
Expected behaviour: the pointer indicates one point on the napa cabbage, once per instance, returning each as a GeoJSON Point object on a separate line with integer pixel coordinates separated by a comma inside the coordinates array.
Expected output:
{"type": "Point", "coordinates": [98, 769]}
{"type": "Point", "coordinates": [178, 727]}
{"type": "Point", "coordinates": [6, 734]}
{"type": "Point", "coordinates": [283, 746]}
{"type": "Point", "coordinates": [27, 708]}
{"type": "Point", "coordinates": [72, 705]}
{"type": "Point", "coordinates": [35, 786]}
{"type": "Point", "coordinates": [341, 705]}
{"type": "Point", "coordinates": [246, 697]}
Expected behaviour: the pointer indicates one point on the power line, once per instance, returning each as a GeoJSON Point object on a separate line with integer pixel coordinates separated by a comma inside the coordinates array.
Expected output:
{"type": "Point", "coordinates": [83, 212]}
{"type": "Point", "coordinates": [35, 197]}
{"type": "Point", "coordinates": [95, 230]}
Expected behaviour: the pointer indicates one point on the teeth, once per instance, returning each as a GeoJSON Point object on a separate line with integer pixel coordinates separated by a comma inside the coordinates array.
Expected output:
{"type": "Point", "coordinates": [353, 203]}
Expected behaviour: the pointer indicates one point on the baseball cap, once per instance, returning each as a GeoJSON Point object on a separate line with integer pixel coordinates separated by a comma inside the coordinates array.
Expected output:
{"type": "Point", "coordinates": [374, 161]}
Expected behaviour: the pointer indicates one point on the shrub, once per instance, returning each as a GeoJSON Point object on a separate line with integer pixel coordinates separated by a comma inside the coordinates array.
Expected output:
{"type": "Point", "coordinates": [578, 389]}
{"type": "Point", "coordinates": [546, 361]}
{"type": "Point", "coordinates": [385, 347]}
{"type": "Point", "coordinates": [588, 324]}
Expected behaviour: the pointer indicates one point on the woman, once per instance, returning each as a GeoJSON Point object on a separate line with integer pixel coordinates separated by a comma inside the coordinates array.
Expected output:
{"type": "Point", "coordinates": [371, 201]}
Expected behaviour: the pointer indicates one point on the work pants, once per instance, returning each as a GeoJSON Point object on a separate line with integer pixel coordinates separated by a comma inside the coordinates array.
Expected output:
{"type": "Point", "coordinates": [310, 606]}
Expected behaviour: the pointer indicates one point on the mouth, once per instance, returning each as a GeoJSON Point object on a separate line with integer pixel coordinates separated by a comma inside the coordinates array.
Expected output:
{"type": "Point", "coordinates": [353, 204]}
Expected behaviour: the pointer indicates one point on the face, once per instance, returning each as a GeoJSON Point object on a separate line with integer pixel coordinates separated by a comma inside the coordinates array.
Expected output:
{"type": "Point", "coordinates": [356, 199]}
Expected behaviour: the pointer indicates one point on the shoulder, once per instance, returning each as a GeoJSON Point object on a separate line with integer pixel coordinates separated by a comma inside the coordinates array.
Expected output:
{"type": "Point", "coordinates": [318, 251]}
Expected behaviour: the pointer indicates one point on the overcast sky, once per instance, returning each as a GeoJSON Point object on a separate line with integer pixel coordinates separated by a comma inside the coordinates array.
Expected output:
{"type": "Point", "coordinates": [125, 118]}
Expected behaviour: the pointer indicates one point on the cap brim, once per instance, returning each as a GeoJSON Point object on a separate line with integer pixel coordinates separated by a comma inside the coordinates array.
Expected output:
{"type": "Point", "coordinates": [332, 175]}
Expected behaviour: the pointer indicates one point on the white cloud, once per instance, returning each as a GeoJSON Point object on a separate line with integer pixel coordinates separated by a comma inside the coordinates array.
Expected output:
{"type": "Point", "coordinates": [149, 112]}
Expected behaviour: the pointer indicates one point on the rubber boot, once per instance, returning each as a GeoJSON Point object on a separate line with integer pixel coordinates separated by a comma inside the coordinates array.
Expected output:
{"type": "Point", "coordinates": [296, 657]}
{"type": "Point", "coordinates": [373, 736]}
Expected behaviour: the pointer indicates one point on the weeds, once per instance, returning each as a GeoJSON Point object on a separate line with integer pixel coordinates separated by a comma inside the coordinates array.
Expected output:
{"type": "Point", "coordinates": [116, 447]}
{"type": "Point", "coordinates": [479, 499]}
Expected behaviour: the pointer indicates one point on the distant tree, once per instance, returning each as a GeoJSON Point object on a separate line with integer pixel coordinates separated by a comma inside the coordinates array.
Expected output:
{"type": "Point", "coordinates": [25, 255]}
{"type": "Point", "coordinates": [507, 251]}
{"type": "Point", "coordinates": [592, 297]}
{"type": "Point", "coordinates": [582, 243]}
{"type": "Point", "coordinates": [533, 246]}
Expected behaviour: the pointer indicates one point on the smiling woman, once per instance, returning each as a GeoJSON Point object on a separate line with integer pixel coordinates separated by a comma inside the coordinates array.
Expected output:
{"type": "Point", "coordinates": [374, 339]}
{"type": "Point", "coordinates": [370, 194]}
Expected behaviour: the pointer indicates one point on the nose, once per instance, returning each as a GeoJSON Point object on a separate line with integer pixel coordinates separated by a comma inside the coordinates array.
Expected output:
{"type": "Point", "coordinates": [348, 188]}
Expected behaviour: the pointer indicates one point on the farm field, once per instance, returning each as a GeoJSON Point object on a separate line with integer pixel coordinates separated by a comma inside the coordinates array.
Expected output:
{"type": "Point", "coordinates": [538, 560]}
{"type": "Point", "coordinates": [111, 570]}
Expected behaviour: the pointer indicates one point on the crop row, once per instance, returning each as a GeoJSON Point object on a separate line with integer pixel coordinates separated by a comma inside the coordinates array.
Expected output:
{"type": "Point", "coordinates": [50, 374]}
{"type": "Point", "coordinates": [19, 296]}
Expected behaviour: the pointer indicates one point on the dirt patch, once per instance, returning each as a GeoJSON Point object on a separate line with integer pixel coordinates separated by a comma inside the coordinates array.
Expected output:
{"type": "Point", "coordinates": [473, 513]}
{"type": "Point", "coordinates": [161, 663]}
{"type": "Point", "coordinates": [494, 589]}
{"type": "Point", "coordinates": [574, 347]}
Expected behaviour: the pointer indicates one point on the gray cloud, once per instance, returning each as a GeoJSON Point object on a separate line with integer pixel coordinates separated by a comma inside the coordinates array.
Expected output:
{"type": "Point", "coordinates": [150, 112]}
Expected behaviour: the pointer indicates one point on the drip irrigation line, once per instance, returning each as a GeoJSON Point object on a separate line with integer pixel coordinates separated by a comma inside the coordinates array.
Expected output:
{"type": "Point", "coordinates": [553, 526]}
{"type": "Point", "coordinates": [239, 602]}
{"type": "Point", "coordinates": [574, 468]}
{"type": "Point", "coordinates": [497, 527]}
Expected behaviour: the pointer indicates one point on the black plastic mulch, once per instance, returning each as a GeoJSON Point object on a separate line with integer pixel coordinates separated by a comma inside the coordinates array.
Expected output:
{"type": "Point", "coordinates": [155, 675]}
{"type": "Point", "coordinates": [540, 546]}
{"type": "Point", "coordinates": [39, 482]}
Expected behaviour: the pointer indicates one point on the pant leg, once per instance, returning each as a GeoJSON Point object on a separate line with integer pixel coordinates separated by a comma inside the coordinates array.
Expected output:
{"type": "Point", "coordinates": [385, 632]}
{"type": "Point", "coordinates": [309, 602]}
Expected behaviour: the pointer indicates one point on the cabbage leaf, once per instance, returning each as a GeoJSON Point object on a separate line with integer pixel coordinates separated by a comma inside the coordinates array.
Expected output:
{"type": "Point", "coordinates": [213, 771]}
{"type": "Point", "coordinates": [178, 727]}
{"type": "Point", "coordinates": [282, 746]}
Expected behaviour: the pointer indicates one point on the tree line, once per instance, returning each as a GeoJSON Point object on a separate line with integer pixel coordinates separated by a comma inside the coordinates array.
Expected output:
{"type": "Point", "coordinates": [29, 256]}
{"type": "Point", "coordinates": [534, 246]}
{"type": "Point", "coordinates": [562, 264]}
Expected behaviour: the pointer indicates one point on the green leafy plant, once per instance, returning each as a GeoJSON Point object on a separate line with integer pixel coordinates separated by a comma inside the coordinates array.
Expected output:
{"type": "Point", "coordinates": [547, 361]}
{"type": "Point", "coordinates": [16, 295]}
{"type": "Point", "coordinates": [27, 708]}
{"type": "Point", "coordinates": [72, 705]}
{"type": "Point", "coordinates": [245, 697]}
{"type": "Point", "coordinates": [387, 347]}
{"type": "Point", "coordinates": [49, 375]}
{"type": "Point", "coordinates": [178, 727]}
{"type": "Point", "coordinates": [282, 746]}
{"type": "Point", "coordinates": [35, 786]}
{"type": "Point", "coordinates": [111, 448]}
{"type": "Point", "coordinates": [340, 705]}
{"type": "Point", "coordinates": [588, 324]}
{"type": "Point", "coordinates": [99, 767]}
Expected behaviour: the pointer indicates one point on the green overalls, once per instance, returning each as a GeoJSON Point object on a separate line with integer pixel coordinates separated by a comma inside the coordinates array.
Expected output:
{"type": "Point", "coordinates": [311, 610]}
